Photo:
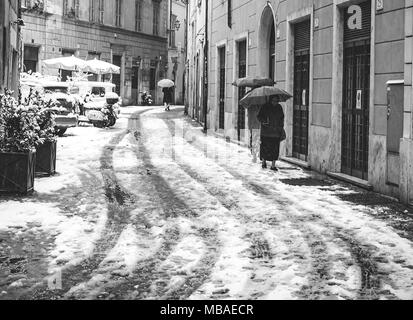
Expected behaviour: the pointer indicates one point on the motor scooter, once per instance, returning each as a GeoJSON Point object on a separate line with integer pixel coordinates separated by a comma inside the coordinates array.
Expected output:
{"type": "Point", "coordinates": [102, 116]}
{"type": "Point", "coordinates": [146, 99]}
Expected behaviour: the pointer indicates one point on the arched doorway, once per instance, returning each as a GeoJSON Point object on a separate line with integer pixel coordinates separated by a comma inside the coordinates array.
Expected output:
{"type": "Point", "coordinates": [266, 44]}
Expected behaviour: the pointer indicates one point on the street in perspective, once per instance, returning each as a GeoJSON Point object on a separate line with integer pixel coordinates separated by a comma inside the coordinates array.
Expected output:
{"type": "Point", "coordinates": [206, 150]}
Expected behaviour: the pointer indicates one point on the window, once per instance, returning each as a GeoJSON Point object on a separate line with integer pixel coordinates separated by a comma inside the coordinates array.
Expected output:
{"type": "Point", "coordinates": [230, 13]}
{"type": "Point", "coordinates": [77, 8]}
{"type": "Point", "coordinates": [101, 11]}
{"type": "Point", "coordinates": [65, 7]}
{"type": "Point", "coordinates": [118, 13]}
{"type": "Point", "coordinates": [172, 32]}
{"type": "Point", "coordinates": [156, 18]}
{"type": "Point", "coordinates": [71, 8]}
{"type": "Point", "coordinates": [272, 52]}
{"type": "Point", "coordinates": [92, 9]}
{"type": "Point", "coordinates": [138, 15]}
{"type": "Point", "coordinates": [65, 74]}
{"type": "Point", "coordinates": [31, 57]}
{"type": "Point", "coordinates": [4, 53]}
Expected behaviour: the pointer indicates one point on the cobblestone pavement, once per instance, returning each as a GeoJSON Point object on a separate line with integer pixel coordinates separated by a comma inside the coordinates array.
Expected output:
{"type": "Point", "coordinates": [155, 209]}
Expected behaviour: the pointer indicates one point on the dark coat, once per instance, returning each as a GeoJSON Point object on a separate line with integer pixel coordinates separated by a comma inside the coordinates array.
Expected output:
{"type": "Point", "coordinates": [167, 95]}
{"type": "Point", "coordinates": [272, 120]}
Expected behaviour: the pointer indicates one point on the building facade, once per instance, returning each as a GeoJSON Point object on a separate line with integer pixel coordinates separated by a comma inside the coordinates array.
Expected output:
{"type": "Point", "coordinates": [177, 48]}
{"type": "Point", "coordinates": [129, 33]}
{"type": "Point", "coordinates": [348, 65]}
{"type": "Point", "coordinates": [195, 59]}
{"type": "Point", "coordinates": [10, 45]}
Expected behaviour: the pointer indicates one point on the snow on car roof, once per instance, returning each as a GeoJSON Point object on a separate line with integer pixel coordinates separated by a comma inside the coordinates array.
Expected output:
{"type": "Point", "coordinates": [56, 84]}
{"type": "Point", "coordinates": [95, 84]}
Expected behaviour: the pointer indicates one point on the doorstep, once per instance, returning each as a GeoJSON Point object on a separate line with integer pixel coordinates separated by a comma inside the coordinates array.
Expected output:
{"type": "Point", "coordinates": [298, 162]}
{"type": "Point", "coordinates": [350, 179]}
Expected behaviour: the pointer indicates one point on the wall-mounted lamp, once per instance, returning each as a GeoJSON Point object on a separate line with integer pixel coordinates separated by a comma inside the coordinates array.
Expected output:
{"type": "Point", "coordinates": [379, 5]}
{"type": "Point", "coordinates": [19, 22]}
{"type": "Point", "coordinates": [177, 25]}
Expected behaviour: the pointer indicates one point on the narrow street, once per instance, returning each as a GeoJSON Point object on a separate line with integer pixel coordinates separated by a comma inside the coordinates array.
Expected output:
{"type": "Point", "coordinates": [154, 209]}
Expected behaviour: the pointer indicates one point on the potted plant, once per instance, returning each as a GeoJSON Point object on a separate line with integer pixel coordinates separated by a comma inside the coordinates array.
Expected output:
{"type": "Point", "coordinates": [19, 136]}
{"type": "Point", "coordinates": [46, 148]}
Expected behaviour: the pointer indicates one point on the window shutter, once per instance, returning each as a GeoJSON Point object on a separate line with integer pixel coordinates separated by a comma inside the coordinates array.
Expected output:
{"type": "Point", "coordinates": [302, 35]}
{"type": "Point", "coordinates": [365, 31]}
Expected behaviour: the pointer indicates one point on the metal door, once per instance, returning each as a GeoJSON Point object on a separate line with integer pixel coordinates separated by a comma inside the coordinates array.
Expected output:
{"type": "Point", "coordinates": [356, 91]}
{"type": "Point", "coordinates": [117, 60]}
{"type": "Point", "coordinates": [222, 88]}
{"type": "Point", "coordinates": [356, 105]}
{"type": "Point", "coordinates": [197, 106]}
{"type": "Point", "coordinates": [135, 84]}
{"type": "Point", "coordinates": [301, 90]}
{"type": "Point", "coordinates": [395, 98]}
{"type": "Point", "coordinates": [242, 72]}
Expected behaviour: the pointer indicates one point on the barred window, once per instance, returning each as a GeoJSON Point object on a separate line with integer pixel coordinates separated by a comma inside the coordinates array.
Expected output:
{"type": "Point", "coordinates": [138, 15]}
{"type": "Point", "coordinates": [118, 13]}
{"type": "Point", "coordinates": [101, 11]}
{"type": "Point", "coordinates": [92, 10]}
{"type": "Point", "coordinates": [156, 8]}
{"type": "Point", "coordinates": [65, 7]}
{"type": "Point", "coordinates": [77, 9]}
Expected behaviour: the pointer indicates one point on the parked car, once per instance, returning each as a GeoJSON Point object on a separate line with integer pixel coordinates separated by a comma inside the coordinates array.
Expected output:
{"type": "Point", "coordinates": [67, 97]}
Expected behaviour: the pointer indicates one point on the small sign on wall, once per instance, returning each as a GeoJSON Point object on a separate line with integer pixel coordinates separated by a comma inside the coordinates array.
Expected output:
{"type": "Point", "coordinates": [304, 98]}
{"type": "Point", "coordinates": [316, 23]}
{"type": "Point", "coordinates": [359, 99]}
{"type": "Point", "coordinates": [379, 5]}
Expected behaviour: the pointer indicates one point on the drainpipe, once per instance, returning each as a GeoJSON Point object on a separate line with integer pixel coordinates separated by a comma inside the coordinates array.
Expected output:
{"type": "Point", "coordinates": [186, 87]}
{"type": "Point", "coordinates": [206, 45]}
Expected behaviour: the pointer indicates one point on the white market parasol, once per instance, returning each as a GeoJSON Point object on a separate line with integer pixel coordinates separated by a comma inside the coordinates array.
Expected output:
{"type": "Point", "coordinates": [65, 63]}
{"type": "Point", "coordinates": [100, 67]}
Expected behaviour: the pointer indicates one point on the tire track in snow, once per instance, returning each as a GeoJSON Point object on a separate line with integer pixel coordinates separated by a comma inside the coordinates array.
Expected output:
{"type": "Point", "coordinates": [120, 204]}
{"type": "Point", "coordinates": [320, 260]}
{"type": "Point", "coordinates": [144, 270]}
{"type": "Point", "coordinates": [259, 252]}
{"type": "Point", "coordinates": [139, 284]}
{"type": "Point", "coordinates": [368, 265]}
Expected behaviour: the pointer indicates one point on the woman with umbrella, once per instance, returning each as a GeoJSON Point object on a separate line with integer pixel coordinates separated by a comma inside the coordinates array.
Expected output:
{"type": "Point", "coordinates": [167, 87]}
{"type": "Point", "coordinates": [271, 116]}
{"type": "Point", "coordinates": [167, 98]}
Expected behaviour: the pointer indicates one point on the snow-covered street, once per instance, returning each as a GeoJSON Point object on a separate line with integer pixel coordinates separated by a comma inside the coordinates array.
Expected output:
{"type": "Point", "coordinates": [155, 209]}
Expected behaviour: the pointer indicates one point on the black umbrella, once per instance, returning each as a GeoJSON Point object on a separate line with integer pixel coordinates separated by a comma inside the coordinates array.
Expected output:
{"type": "Point", "coordinates": [259, 96]}
{"type": "Point", "coordinates": [253, 82]}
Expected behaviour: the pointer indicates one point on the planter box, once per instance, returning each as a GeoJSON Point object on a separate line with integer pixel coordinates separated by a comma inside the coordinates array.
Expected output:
{"type": "Point", "coordinates": [46, 159]}
{"type": "Point", "coordinates": [17, 172]}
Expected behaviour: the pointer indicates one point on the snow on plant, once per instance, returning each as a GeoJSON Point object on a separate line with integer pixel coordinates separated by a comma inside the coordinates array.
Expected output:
{"type": "Point", "coordinates": [45, 120]}
{"type": "Point", "coordinates": [24, 126]}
